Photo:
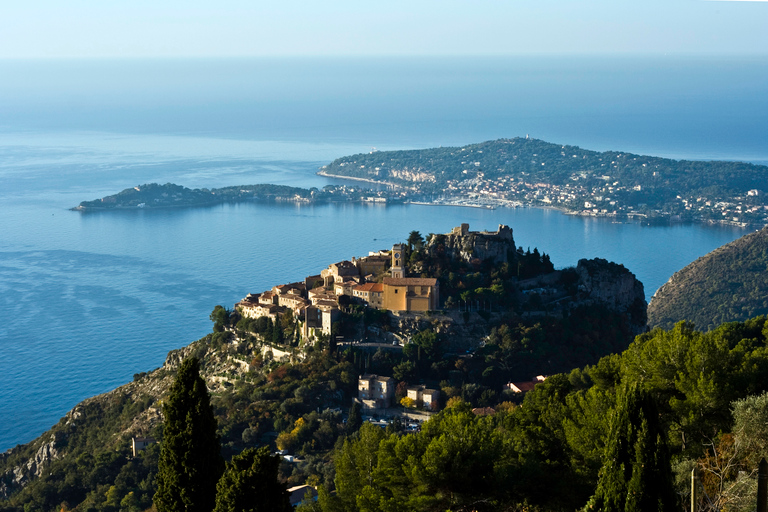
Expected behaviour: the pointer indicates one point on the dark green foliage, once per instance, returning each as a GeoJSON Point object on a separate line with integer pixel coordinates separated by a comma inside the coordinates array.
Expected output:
{"type": "Point", "coordinates": [155, 195]}
{"type": "Point", "coordinates": [249, 484]}
{"type": "Point", "coordinates": [220, 318]}
{"type": "Point", "coordinates": [729, 284]}
{"type": "Point", "coordinates": [354, 419]}
{"type": "Point", "coordinates": [551, 345]}
{"type": "Point", "coordinates": [636, 475]}
{"type": "Point", "coordinates": [190, 461]}
{"type": "Point", "coordinates": [458, 462]}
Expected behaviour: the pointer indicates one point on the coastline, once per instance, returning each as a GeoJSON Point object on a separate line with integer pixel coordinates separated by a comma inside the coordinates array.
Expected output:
{"type": "Point", "coordinates": [503, 203]}
{"type": "Point", "coordinates": [352, 178]}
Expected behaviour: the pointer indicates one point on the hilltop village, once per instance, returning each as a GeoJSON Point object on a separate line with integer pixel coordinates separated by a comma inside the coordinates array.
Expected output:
{"type": "Point", "coordinates": [377, 280]}
{"type": "Point", "coordinates": [321, 308]}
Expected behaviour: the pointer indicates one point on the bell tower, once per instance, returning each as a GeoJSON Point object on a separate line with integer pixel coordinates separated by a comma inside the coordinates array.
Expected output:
{"type": "Point", "coordinates": [398, 270]}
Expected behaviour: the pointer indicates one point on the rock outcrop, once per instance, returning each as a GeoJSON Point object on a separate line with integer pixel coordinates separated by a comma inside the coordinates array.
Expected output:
{"type": "Point", "coordinates": [465, 245]}
{"type": "Point", "coordinates": [611, 284]}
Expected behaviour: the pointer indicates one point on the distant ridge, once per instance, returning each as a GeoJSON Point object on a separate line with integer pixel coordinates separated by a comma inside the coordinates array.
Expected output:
{"type": "Point", "coordinates": [728, 284]}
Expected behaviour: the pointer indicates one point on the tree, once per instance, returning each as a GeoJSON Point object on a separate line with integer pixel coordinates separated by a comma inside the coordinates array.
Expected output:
{"type": "Point", "coordinates": [636, 474]}
{"type": "Point", "coordinates": [190, 462]}
{"type": "Point", "coordinates": [220, 318]}
{"type": "Point", "coordinates": [354, 419]}
{"type": "Point", "coordinates": [250, 484]}
{"type": "Point", "coordinates": [415, 241]}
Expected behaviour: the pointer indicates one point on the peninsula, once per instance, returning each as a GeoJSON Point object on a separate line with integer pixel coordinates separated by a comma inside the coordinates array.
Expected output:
{"type": "Point", "coordinates": [531, 172]}
{"type": "Point", "coordinates": [154, 195]}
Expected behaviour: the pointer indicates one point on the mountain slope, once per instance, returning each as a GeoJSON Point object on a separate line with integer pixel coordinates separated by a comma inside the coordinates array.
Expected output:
{"type": "Point", "coordinates": [729, 284]}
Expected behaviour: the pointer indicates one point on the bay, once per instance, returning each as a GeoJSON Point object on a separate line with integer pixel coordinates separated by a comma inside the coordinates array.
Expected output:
{"type": "Point", "coordinates": [91, 299]}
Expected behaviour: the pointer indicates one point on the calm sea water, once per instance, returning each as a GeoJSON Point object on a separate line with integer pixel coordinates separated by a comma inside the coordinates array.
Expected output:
{"type": "Point", "coordinates": [91, 299]}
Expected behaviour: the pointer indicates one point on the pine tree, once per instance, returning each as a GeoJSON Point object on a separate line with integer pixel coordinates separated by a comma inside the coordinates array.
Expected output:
{"type": "Point", "coordinates": [636, 474]}
{"type": "Point", "coordinates": [190, 461]}
{"type": "Point", "coordinates": [250, 484]}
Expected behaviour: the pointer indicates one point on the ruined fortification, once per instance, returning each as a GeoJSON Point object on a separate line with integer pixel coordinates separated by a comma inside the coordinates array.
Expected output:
{"type": "Point", "coordinates": [463, 244]}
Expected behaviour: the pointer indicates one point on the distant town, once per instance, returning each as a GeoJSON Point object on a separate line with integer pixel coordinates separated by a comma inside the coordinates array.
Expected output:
{"type": "Point", "coordinates": [529, 172]}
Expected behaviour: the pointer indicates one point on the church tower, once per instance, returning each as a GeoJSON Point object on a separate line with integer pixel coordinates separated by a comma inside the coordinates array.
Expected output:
{"type": "Point", "coordinates": [398, 269]}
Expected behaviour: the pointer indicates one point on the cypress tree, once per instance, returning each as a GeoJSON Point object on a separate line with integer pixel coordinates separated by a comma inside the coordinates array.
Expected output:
{"type": "Point", "coordinates": [190, 461]}
{"type": "Point", "coordinates": [354, 419]}
{"type": "Point", "coordinates": [250, 484]}
{"type": "Point", "coordinates": [636, 474]}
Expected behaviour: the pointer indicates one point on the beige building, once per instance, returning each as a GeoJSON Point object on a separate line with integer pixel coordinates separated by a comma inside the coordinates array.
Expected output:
{"type": "Point", "coordinates": [524, 387]}
{"type": "Point", "coordinates": [319, 319]}
{"type": "Point", "coordinates": [268, 298]}
{"type": "Point", "coordinates": [297, 495]}
{"type": "Point", "coordinates": [140, 443]}
{"type": "Point", "coordinates": [410, 294]}
{"type": "Point", "coordinates": [402, 293]}
{"type": "Point", "coordinates": [375, 264]}
{"type": "Point", "coordinates": [290, 289]}
{"type": "Point", "coordinates": [370, 293]}
{"type": "Point", "coordinates": [345, 287]}
{"type": "Point", "coordinates": [321, 294]}
{"type": "Point", "coordinates": [292, 301]}
{"type": "Point", "coordinates": [375, 392]}
{"type": "Point", "coordinates": [424, 397]}
{"type": "Point", "coordinates": [337, 272]}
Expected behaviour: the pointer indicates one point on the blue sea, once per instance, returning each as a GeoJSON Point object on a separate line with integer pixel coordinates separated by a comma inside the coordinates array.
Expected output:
{"type": "Point", "coordinates": [90, 299]}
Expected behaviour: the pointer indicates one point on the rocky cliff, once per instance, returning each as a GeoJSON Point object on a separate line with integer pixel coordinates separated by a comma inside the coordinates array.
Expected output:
{"type": "Point", "coordinates": [465, 245]}
{"type": "Point", "coordinates": [612, 284]}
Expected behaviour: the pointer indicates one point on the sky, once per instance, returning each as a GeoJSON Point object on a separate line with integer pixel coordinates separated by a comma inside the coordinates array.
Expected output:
{"type": "Point", "coordinates": [241, 28]}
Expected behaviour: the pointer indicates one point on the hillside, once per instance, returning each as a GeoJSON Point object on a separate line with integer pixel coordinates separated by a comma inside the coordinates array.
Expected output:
{"type": "Point", "coordinates": [545, 455]}
{"type": "Point", "coordinates": [729, 284]}
{"type": "Point", "coordinates": [536, 172]}
{"type": "Point", "coordinates": [507, 316]}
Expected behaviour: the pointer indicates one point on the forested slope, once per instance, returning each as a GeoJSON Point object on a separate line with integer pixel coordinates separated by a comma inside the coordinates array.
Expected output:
{"type": "Point", "coordinates": [728, 284]}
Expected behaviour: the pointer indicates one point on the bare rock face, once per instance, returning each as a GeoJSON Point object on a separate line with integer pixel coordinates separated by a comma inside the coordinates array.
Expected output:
{"type": "Point", "coordinates": [466, 245]}
{"type": "Point", "coordinates": [33, 467]}
{"type": "Point", "coordinates": [611, 284]}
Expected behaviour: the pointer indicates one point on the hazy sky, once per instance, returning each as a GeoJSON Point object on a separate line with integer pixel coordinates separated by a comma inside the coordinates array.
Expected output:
{"type": "Point", "coordinates": [203, 28]}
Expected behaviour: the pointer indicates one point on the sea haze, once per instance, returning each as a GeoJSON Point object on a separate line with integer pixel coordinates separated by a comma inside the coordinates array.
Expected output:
{"type": "Point", "coordinates": [91, 299]}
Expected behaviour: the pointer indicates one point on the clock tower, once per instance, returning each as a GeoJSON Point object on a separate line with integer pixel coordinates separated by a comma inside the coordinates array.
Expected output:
{"type": "Point", "coordinates": [398, 269]}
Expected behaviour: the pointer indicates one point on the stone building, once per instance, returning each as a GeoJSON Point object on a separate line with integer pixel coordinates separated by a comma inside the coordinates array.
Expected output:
{"type": "Point", "coordinates": [375, 392]}
{"type": "Point", "coordinates": [424, 397]}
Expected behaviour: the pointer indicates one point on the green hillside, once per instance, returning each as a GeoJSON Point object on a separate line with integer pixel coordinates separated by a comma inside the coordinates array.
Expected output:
{"type": "Point", "coordinates": [729, 284]}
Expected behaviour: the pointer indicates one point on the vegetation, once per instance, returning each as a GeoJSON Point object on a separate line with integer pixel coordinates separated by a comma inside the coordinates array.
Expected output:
{"type": "Point", "coordinates": [250, 484]}
{"type": "Point", "coordinates": [548, 454]}
{"type": "Point", "coordinates": [154, 195]}
{"type": "Point", "coordinates": [728, 284]}
{"type": "Point", "coordinates": [190, 461]}
{"type": "Point", "coordinates": [545, 455]}
{"type": "Point", "coordinates": [636, 474]}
